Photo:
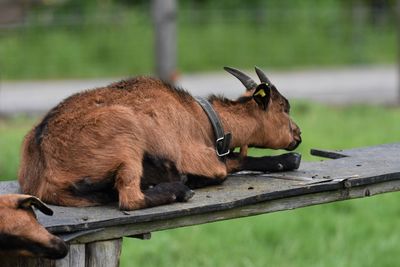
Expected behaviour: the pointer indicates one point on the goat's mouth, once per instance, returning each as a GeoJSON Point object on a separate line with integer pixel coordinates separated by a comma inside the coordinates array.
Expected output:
{"type": "Point", "coordinates": [293, 145]}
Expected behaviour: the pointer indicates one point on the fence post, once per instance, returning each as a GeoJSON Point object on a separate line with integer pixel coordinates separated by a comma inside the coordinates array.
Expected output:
{"type": "Point", "coordinates": [164, 19]}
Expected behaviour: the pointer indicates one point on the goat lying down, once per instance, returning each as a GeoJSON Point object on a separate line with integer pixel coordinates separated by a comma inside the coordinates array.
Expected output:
{"type": "Point", "coordinates": [20, 232]}
{"type": "Point", "coordinates": [145, 143]}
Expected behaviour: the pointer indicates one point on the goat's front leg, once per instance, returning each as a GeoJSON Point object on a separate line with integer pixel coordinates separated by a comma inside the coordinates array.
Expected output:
{"type": "Point", "coordinates": [284, 162]}
{"type": "Point", "coordinates": [202, 167]}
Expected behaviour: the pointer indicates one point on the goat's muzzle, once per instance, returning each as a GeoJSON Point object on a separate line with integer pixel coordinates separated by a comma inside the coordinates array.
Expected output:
{"type": "Point", "coordinates": [58, 249]}
{"type": "Point", "coordinates": [294, 144]}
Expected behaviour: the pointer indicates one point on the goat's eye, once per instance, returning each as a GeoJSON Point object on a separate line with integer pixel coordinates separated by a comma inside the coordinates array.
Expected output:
{"type": "Point", "coordinates": [286, 109]}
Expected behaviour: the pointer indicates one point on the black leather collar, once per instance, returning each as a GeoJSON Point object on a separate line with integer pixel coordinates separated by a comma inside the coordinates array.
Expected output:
{"type": "Point", "coordinates": [222, 139]}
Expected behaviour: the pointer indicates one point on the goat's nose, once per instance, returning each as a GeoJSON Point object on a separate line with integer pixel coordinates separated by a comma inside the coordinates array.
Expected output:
{"type": "Point", "coordinates": [299, 140]}
{"type": "Point", "coordinates": [59, 248]}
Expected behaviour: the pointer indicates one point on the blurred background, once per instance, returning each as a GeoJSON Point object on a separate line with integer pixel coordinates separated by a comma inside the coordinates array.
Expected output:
{"type": "Point", "coordinates": [336, 60]}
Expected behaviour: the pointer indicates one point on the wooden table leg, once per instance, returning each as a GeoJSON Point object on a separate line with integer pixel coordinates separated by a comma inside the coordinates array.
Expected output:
{"type": "Point", "coordinates": [103, 253]}
{"type": "Point", "coordinates": [76, 257]}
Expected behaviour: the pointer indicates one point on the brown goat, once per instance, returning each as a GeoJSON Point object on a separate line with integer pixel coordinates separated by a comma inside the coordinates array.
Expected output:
{"type": "Point", "coordinates": [20, 232]}
{"type": "Point", "coordinates": [140, 140]}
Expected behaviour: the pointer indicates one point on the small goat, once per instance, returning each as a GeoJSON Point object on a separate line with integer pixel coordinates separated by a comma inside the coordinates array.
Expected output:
{"type": "Point", "coordinates": [140, 141]}
{"type": "Point", "coordinates": [20, 232]}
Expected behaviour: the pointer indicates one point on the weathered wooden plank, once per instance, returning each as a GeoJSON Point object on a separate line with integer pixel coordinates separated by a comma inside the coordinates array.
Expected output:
{"type": "Point", "coordinates": [372, 151]}
{"type": "Point", "coordinates": [238, 191]}
{"type": "Point", "coordinates": [9, 187]}
{"type": "Point", "coordinates": [327, 153]}
{"type": "Point", "coordinates": [362, 167]}
{"type": "Point", "coordinates": [250, 210]}
{"type": "Point", "coordinates": [144, 236]}
{"type": "Point", "coordinates": [103, 253]}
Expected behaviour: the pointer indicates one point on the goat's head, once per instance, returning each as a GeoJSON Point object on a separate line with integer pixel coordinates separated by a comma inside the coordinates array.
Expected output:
{"type": "Point", "coordinates": [20, 232]}
{"type": "Point", "coordinates": [276, 129]}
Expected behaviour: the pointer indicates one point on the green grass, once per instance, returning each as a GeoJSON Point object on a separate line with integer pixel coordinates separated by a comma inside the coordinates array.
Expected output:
{"type": "Point", "coordinates": [11, 136]}
{"type": "Point", "coordinates": [82, 53]}
{"type": "Point", "coordinates": [278, 36]}
{"type": "Point", "coordinates": [353, 233]}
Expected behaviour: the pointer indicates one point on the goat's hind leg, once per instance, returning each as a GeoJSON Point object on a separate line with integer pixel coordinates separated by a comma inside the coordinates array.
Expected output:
{"type": "Point", "coordinates": [127, 183]}
{"type": "Point", "coordinates": [131, 196]}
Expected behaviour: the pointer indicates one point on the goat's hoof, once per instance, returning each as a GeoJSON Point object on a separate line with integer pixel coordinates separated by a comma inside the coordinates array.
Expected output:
{"type": "Point", "coordinates": [295, 160]}
{"type": "Point", "coordinates": [291, 161]}
{"type": "Point", "coordinates": [178, 190]}
{"type": "Point", "coordinates": [184, 193]}
{"type": "Point", "coordinates": [186, 196]}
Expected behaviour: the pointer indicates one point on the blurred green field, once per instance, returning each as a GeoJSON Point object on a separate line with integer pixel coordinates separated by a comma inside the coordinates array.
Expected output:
{"type": "Point", "coordinates": [271, 34]}
{"type": "Point", "coordinates": [353, 233]}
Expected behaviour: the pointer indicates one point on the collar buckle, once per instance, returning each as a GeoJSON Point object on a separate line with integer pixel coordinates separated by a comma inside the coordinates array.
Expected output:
{"type": "Point", "coordinates": [222, 145]}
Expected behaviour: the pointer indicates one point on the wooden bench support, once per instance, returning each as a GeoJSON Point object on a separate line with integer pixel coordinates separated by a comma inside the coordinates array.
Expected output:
{"type": "Point", "coordinates": [103, 253]}
{"type": "Point", "coordinates": [76, 257]}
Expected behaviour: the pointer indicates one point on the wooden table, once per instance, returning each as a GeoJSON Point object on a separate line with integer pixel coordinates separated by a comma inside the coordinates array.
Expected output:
{"type": "Point", "coordinates": [95, 233]}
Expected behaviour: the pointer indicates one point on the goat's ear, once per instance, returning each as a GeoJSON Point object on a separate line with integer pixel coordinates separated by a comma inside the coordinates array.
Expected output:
{"type": "Point", "coordinates": [262, 94]}
{"type": "Point", "coordinates": [28, 202]}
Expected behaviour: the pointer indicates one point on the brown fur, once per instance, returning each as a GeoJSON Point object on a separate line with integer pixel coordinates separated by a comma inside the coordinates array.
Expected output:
{"type": "Point", "coordinates": [107, 131]}
{"type": "Point", "coordinates": [18, 226]}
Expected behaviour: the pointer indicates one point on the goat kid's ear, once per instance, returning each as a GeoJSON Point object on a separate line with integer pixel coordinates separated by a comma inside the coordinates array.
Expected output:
{"type": "Point", "coordinates": [28, 202]}
{"type": "Point", "coordinates": [262, 94]}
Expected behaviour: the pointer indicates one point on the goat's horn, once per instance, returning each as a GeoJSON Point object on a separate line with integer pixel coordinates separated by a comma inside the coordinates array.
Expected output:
{"type": "Point", "coordinates": [248, 82]}
{"type": "Point", "coordinates": [261, 75]}
{"type": "Point", "coordinates": [37, 203]}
